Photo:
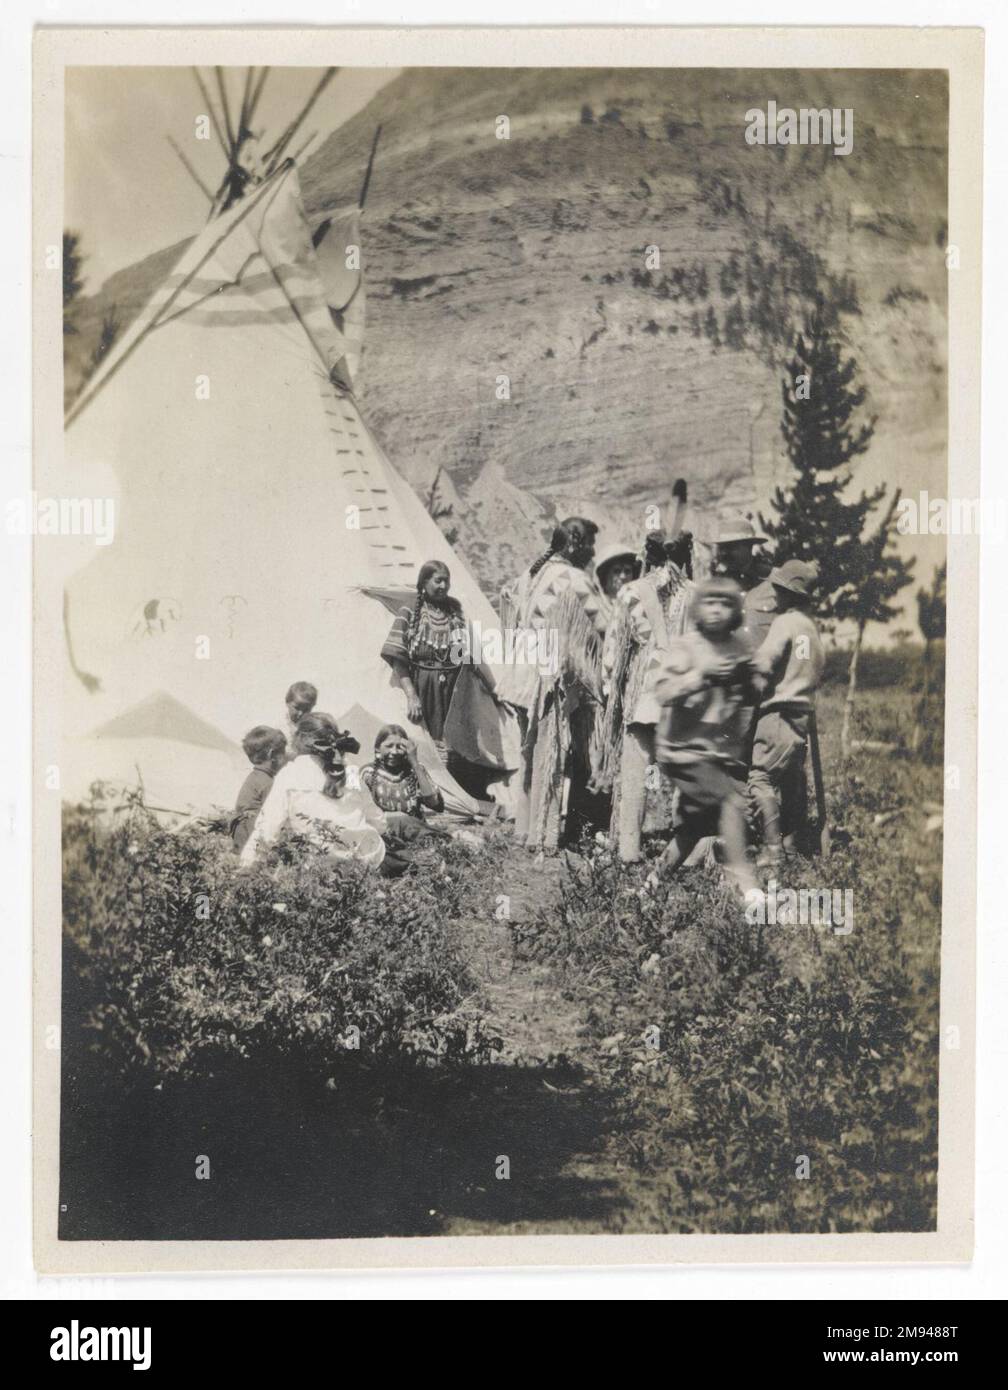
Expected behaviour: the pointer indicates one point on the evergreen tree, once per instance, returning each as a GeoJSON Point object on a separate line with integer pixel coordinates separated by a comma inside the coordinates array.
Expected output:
{"type": "Point", "coordinates": [73, 281]}
{"type": "Point", "coordinates": [814, 519]}
{"type": "Point", "coordinates": [734, 327]}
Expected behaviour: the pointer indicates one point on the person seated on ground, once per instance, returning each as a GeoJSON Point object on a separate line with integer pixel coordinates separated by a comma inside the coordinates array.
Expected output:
{"type": "Point", "coordinates": [399, 783]}
{"type": "Point", "coordinates": [266, 750]}
{"type": "Point", "coordinates": [311, 797]}
{"type": "Point", "coordinates": [789, 667]}
{"type": "Point", "coordinates": [704, 682]}
{"type": "Point", "coordinates": [300, 699]}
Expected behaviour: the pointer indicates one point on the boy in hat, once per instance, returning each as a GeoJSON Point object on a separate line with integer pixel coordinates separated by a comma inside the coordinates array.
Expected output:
{"type": "Point", "coordinates": [789, 668]}
{"type": "Point", "coordinates": [704, 683]}
{"type": "Point", "coordinates": [735, 556]}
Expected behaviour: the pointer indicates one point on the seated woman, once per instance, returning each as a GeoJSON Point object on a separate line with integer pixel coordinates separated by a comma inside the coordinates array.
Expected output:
{"type": "Point", "coordinates": [310, 796]}
{"type": "Point", "coordinates": [427, 648]}
{"type": "Point", "coordinates": [399, 784]}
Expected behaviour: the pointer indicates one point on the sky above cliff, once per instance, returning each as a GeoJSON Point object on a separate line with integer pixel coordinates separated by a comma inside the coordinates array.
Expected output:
{"type": "Point", "coordinates": [127, 193]}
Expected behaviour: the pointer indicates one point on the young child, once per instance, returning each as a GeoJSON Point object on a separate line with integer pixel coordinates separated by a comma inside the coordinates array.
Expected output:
{"type": "Point", "coordinates": [300, 699]}
{"type": "Point", "coordinates": [399, 783]}
{"type": "Point", "coordinates": [703, 682]}
{"type": "Point", "coordinates": [789, 667]}
{"type": "Point", "coordinates": [266, 750]}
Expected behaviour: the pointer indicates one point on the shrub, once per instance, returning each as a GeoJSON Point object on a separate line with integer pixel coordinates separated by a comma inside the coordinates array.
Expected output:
{"type": "Point", "coordinates": [183, 959]}
{"type": "Point", "coordinates": [771, 1043]}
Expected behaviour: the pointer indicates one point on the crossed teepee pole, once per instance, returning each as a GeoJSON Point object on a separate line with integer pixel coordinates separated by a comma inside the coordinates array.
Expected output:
{"type": "Point", "coordinates": [233, 129]}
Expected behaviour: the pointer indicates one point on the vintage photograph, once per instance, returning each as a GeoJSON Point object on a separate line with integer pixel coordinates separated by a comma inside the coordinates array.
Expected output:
{"type": "Point", "coordinates": [493, 576]}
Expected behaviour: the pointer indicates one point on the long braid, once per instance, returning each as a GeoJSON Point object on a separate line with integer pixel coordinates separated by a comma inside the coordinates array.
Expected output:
{"type": "Point", "coordinates": [558, 541]}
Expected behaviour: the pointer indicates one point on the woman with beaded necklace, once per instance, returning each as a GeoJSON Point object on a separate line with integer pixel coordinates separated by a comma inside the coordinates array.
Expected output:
{"type": "Point", "coordinates": [423, 648]}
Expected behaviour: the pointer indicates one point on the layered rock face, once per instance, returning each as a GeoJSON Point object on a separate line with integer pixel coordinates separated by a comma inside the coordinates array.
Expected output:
{"type": "Point", "coordinates": [568, 319]}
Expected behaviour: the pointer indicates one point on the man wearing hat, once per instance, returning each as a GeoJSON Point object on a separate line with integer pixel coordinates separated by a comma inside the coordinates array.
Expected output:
{"type": "Point", "coordinates": [789, 668]}
{"type": "Point", "coordinates": [735, 556]}
{"type": "Point", "coordinates": [616, 566]}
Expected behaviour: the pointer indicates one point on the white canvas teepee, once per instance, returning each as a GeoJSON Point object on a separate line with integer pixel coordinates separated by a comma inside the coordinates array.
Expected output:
{"type": "Point", "coordinates": [254, 508]}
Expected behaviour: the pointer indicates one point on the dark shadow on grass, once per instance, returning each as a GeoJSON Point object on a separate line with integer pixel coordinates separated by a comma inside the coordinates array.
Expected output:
{"type": "Point", "coordinates": [400, 1150]}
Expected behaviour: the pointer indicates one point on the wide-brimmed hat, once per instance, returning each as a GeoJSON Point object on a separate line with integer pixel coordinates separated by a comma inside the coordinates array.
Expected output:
{"type": "Point", "coordinates": [610, 554]}
{"type": "Point", "coordinates": [796, 576]}
{"type": "Point", "coordinates": [738, 529]}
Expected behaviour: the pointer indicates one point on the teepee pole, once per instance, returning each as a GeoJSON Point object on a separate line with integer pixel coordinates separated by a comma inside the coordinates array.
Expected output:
{"type": "Point", "coordinates": [367, 173]}
{"type": "Point", "coordinates": [291, 131]}
{"type": "Point", "coordinates": [222, 92]}
{"type": "Point", "coordinates": [190, 170]}
{"type": "Point", "coordinates": [243, 110]}
{"type": "Point", "coordinates": [213, 114]}
{"type": "Point", "coordinates": [256, 94]}
{"type": "Point", "coordinates": [88, 395]}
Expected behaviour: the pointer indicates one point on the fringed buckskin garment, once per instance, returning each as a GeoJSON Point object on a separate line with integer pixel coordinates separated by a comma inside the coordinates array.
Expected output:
{"type": "Point", "coordinates": [649, 613]}
{"type": "Point", "coordinates": [560, 694]}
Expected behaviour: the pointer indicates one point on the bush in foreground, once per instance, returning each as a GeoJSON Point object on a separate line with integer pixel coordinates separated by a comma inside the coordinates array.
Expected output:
{"type": "Point", "coordinates": [183, 960]}
{"type": "Point", "coordinates": [738, 1048]}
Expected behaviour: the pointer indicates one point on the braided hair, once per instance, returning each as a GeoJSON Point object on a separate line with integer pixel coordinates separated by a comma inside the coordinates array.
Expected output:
{"type": "Point", "coordinates": [427, 570]}
{"type": "Point", "coordinates": [558, 542]}
{"type": "Point", "coordinates": [573, 528]}
{"type": "Point", "coordinates": [654, 550]}
{"type": "Point", "coordinates": [678, 550]}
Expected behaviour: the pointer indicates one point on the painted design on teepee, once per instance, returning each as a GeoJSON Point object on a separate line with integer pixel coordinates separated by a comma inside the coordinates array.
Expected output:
{"type": "Point", "coordinates": [155, 618]}
{"type": "Point", "coordinates": [232, 605]}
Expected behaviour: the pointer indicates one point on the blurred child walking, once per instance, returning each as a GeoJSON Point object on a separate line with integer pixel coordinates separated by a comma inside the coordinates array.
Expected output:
{"type": "Point", "coordinates": [704, 681]}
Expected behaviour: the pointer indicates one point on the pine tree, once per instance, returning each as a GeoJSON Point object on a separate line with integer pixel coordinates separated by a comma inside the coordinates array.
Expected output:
{"type": "Point", "coordinates": [734, 327]}
{"type": "Point", "coordinates": [73, 281]}
{"type": "Point", "coordinates": [815, 518]}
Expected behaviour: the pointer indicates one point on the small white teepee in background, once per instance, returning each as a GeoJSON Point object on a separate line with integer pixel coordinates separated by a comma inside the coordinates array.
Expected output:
{"type": "Point", "coordinates": [254, 508]}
